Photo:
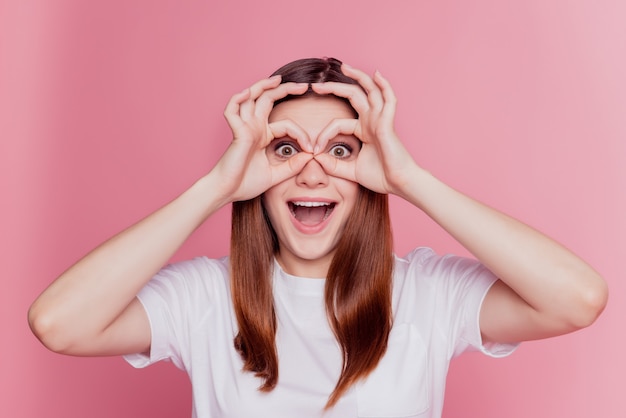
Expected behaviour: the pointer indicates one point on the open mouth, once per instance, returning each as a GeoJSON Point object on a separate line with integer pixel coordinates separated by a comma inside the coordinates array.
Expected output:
{"type": "Point", "coordinates": [311, 213]}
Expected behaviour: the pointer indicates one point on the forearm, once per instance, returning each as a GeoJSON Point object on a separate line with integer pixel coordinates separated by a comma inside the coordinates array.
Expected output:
{"type": "Point", "coordinates": [545, 289]}
{"type": "Point", "coordinates": [87, 297]}
{"type": "Point", "coordinates": [550, 278]}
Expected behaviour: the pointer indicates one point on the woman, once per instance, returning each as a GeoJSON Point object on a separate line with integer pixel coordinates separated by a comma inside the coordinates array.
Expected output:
{"type": "Point", "coordinates": [312, 314]}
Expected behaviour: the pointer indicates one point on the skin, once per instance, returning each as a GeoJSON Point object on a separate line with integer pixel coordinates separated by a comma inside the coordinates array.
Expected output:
{"type": "Point", "coordinates": [544, 290]}
{"type": "Point", "coordinates": [308, 251]}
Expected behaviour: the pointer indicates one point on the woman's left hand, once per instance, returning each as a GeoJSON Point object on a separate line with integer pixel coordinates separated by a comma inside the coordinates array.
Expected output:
{"type": "Point", "coordinates": [532, 267]}
{"type": "Point", "coordinates": [383, 163]}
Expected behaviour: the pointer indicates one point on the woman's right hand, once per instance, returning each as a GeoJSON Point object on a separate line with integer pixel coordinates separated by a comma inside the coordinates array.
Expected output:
{"type": "Point", "coordinates": [91, 309]}
{"type": "Point", "coordinates": [244, 170]}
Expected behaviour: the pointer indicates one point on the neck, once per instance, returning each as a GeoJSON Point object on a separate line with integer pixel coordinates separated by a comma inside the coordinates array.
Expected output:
{"type": "Point", "coordinates": [301, 267]}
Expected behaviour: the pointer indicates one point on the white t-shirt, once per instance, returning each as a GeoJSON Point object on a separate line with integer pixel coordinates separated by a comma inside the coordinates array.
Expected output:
{"type": "Point", "coordinates": [436, 304]}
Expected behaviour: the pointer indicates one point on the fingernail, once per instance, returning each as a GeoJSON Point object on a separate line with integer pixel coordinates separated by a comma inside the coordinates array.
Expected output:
{"type": "Point", "coordinates": [347, 66]}
{"type": "Point", "coordinates": [275, 77]}
{"type": "Point", "coordinates": [316, 150]}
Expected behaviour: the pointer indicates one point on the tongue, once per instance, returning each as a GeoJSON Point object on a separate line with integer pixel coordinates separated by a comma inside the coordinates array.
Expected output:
{"type": "Point", "coordinates": [309, 216]}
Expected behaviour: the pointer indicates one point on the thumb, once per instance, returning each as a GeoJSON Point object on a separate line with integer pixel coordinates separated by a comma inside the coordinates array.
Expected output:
{"type": "Point", "coordinates": [290, 168]}
{"type": "Point", "coordinates": [337, 168]}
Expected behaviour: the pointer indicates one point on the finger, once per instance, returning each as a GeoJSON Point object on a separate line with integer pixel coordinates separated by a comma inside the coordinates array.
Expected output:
{"type": "Point", "coordinates": [246, 109]}
{"type": "Point", "coordinates": [389, 96]}
{"type": "Point", "coordinates": [334, 128]}
{"type": "Point", "coordinates": [265, 102]}
{"type": "Point", "coordinates": [291, 167]}
{"type": "Point", "coordinates": [369, 85]}
{"type": "Point", "coordinates": [337, 168]}
{"type": "Point", "coordinates": [262, 85]}
{"type": "Point", "coordinates": [355, 95]}
{"type": "Point", "coordinates": [231, 111]}
{"type": "Point", "coordinates": [286, 127]}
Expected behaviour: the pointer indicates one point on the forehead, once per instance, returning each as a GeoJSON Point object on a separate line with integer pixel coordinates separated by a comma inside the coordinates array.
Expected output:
{"type": "Point", "coordinates": [312, 113]}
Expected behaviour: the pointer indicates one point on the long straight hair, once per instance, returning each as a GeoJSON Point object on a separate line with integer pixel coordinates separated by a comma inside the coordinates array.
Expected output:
{"type": "Point", "coordinates": [358, 285]}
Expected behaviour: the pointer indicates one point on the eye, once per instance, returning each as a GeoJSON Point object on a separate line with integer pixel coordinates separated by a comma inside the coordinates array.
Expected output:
{"type": "Point", "coordinates": [285, 150]}
{"type": "Point", "coordinates": [340, 151]}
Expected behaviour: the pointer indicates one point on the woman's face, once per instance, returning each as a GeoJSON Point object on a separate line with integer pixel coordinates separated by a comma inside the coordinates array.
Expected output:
{"type": "Point", "coordinates": [309, 211]}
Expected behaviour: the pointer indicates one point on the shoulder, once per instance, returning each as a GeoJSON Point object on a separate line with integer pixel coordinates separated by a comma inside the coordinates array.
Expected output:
{"type": "Point", "coordinates": [425, 277]}
{"type": "Point", "coordinates": [197, 268]}
{"type": "Point", "coordinates": [425, 263]}
{"type": "Point", "coordinates": [187, 291]}
{"type": "Point", "coordinates": [442, 293]}
{"type": "Point", "coordinates": [417, 255]}
{"type": "Point", "coordinates": [198, 277]}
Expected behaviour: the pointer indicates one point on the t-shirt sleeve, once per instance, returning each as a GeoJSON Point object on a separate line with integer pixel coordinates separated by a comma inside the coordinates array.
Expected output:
{"type": "Point", "coordinates": [460, 285]}
{"type": "Point", "coordinates": [171, 301]}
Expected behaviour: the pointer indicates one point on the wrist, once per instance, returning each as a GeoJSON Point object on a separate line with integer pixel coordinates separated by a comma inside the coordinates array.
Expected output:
{"type": "Point", "coordinates": [209, 193]}
{"type": "Point", "coordinates": [420, 185]}
{"type": "Point", "coordinates": [413, 180]}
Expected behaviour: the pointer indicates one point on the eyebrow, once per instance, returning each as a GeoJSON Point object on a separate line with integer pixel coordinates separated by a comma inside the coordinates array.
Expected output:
{"type": "Point", "coordinates": [350, 137]}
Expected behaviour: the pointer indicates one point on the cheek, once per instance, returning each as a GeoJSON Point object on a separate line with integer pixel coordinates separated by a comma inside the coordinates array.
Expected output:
{"type": "Point", "coordinates": [350, 192]}
{"type": "Point", "coordinates": [271, 204]}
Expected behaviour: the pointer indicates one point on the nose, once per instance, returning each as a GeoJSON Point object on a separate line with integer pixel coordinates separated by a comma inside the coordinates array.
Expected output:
{"type": "Point", "coordinates": [312, 175]}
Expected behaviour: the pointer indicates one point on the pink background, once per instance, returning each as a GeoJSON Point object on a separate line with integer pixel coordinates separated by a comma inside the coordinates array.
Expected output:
{"type": "Point", "coordinates": [110, 109]}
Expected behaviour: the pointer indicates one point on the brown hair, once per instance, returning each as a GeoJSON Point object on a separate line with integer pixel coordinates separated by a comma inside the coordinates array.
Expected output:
{"type": "Point", "coordinates": [358, 285]}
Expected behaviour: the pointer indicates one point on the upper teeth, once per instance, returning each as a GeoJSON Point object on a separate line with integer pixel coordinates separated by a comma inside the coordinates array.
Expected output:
{"type": "Point", "coordinates": [311, 204]}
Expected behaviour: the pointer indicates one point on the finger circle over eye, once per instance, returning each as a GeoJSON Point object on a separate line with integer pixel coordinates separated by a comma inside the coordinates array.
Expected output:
{"type": "Point", "coordinates": [334, 128]}
{"type": "Point", "coordinates": [286, 127]}
{"type": "Point", "coordinates": [336, 167]}
{"type": "Point", "coordinates": [292, 167]}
